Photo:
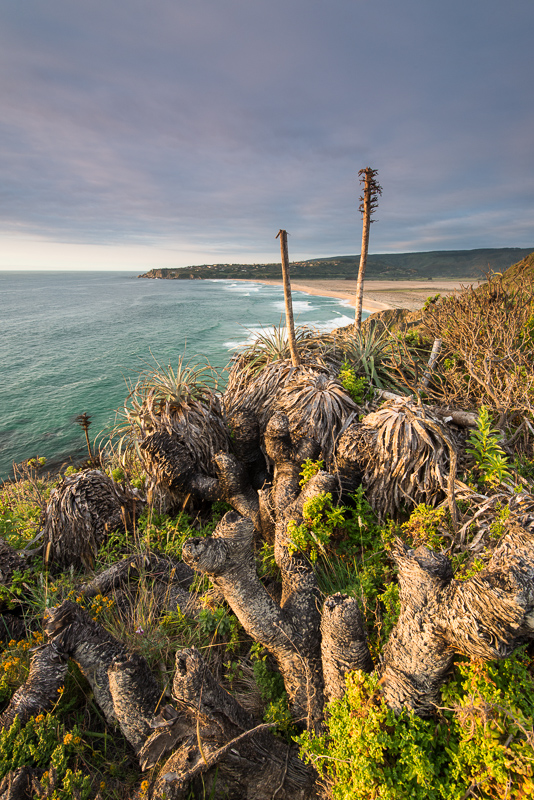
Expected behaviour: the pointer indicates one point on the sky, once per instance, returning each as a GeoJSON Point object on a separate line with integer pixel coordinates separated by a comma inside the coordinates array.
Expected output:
{"type": "Point", "coordinates": [139, 134]}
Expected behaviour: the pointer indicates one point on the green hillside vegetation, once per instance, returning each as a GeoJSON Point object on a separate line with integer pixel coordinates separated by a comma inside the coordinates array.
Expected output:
{"type": "Point", "coordinates": [137, 659]}
{"type": "Point", "coordinates": [523, 271]}
{"type": "Point", "coordinates": [391, 266]}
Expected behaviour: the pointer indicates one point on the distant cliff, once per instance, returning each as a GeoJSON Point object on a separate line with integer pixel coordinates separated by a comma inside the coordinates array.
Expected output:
{"type": "Point", "coordinates": [389, 266]}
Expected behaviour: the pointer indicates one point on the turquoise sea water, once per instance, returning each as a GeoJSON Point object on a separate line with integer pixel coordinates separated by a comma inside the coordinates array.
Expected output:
{"type": "Point", "coordinates": [69, 341]}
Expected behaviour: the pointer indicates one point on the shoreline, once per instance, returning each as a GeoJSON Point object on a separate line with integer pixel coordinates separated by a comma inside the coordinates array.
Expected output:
{"type": "Point", "coordinates": [320, 291]}
{"type": "Point", "coordinates": [378, 295]}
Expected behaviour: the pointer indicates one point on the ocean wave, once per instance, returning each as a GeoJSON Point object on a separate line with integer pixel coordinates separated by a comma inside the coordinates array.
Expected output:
{"type": "Point", "coordinates": [299, 306]}
{"type": "Point", "coordinates": [331, 324]}
{"type": "Point", "coordinates": [249, 337]}
{"type": "Point", "coordinates": [242, 288]}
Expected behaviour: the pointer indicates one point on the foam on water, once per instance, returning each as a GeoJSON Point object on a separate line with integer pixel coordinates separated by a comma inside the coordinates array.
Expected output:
{"type": "Point", "coordinates": [299, 306]}
{"type": "Point", "coordinates": [71, 342]}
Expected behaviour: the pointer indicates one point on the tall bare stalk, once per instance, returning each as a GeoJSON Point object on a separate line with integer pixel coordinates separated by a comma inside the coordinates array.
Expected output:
{"type": "Point", "coordinates": [290, 324]}
{"type": "Point", "coordinates": [371, 190]}
{"type": "Point", "coordinates": [84, 420]}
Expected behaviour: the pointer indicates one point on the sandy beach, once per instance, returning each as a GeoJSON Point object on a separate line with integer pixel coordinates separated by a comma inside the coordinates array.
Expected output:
{"type": "Point", "coordinates": [379, 295]}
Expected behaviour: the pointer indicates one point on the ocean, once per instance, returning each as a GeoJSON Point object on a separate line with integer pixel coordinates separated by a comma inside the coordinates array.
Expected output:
{"type": "Point", "coordinates": [71, 341]}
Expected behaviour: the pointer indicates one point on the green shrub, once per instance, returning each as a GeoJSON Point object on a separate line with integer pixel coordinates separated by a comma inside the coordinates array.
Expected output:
{"type": "Point", "coordinates": [479, 744]}
{"type": "Point", "coordinates": [425, 527]}
{"type": "Point", "coordinates": [219, 622]}
{"type": "Point", "coordinates": [357, 388]}
{"type": "Point", "coordinates": [321, 518]}
{"type": "Point", "coordinates": [309, 469]}
{"type": "Point", "coordinates": [44, 743]}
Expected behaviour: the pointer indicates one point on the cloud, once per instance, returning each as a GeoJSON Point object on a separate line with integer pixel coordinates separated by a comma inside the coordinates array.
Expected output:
{"type": "Point", "coordinates": [200, 128]}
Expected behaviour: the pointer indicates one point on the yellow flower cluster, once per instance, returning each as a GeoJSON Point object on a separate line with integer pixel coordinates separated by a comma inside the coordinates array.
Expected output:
{"type": "Point", "coordinates": [70, 739]}
{"type": "Point", "coordinates": [13, 662]}
{"type": "Point", "coordinates": [99, 605]}
{"type": "Point", "coordinates": [22, 645]}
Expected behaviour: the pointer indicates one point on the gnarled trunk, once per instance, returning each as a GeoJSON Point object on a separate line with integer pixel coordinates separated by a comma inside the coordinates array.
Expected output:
{"type": "Point", "coordinates": [484, 617]}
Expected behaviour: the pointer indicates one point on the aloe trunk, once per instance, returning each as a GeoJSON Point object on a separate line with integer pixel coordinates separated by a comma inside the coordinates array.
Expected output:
{"type": "Point", "coordinates": [290, 323]}
{"type": "Point", "coordinates": [371, 190]}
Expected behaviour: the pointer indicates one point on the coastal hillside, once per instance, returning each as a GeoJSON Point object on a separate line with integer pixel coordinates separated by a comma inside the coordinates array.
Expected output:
{"type": "Point", "coordinates": [317, 583]}
{"type": "Point", "coordinates": [390, 266]}
{"type": "Point", "coordinates": [521, 272]}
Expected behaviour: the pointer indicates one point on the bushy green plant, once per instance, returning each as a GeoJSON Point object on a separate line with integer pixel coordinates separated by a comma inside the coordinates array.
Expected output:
{"type": "Point", "coordinates": [269, 682]}
{"type": "Point", "coordinates": [499, 527]}
{"type": "Point", "coordinates": [469, 570]}
{"type": "Point", "coordinates": [390, 601]}
{"type": "Point", "coordinates": [309, 469]}
{"type": "Point", "coordinates": [361, 524]}
{"type": "Point", "coordinates": [321, 518]}
{"type": "Point", "coordinates": [425, 526]}
{"type": "Point", "coordinates": [480, 744]}
{"type": "Point", "coordinates": [21, 506]}
{"type": "Point", "coordinates": [220, 622]}
{"type": "Point", "coordinates": [44, 743]}
{"type": "Point", "coordinates": [485, 448]}
{"type": "Point", "coordinates": [357, 388]}
{"type": "Point", "coordinates": [355, 560]}
{"type": "Point", "coordinates": [15, 593]}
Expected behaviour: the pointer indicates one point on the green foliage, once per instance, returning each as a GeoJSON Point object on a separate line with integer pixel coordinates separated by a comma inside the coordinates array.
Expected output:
{"type": "Point", "coordinates": [37, 462]}
{"type": "Point", "coordinates": [266, 562]}
{"type": "Point", "coordinates": [219, 622]}
{"type": "Point", "coordinates": [21, 505]}
{"type": "Point", "coordinates": [162, 532]}
{"type": "Point", "coordinates": [270, 683]}
{"type": "Point", "coordinates": [390, 600]}
{"type": "Point", "coordinates": [430, 301]}
{"type": "Point", "coordinates": [321, 518]}
{"type": "Point", "coordinates": [524, 467]}
{"type": "Point", "coordinates": [309, 469]}
{"type": "Point", "coordinates": [16, 592]}
{"type": "Point", "coordinates": [44, 743]}
{"type": "Point", "coordinates": [368, 353]}
{"type": "Point", "coordinates": [469, 570]}
{"type": "Point", "coordinates": [165, 533]}
{"type": "Point", "coordinates": [357, 562]}
{"type": "Point", "coordinates": [118, 474]}
{"type": "Point", "coordinates": [279, 714]}
{"type": "Point", "coordinates": [362, 526]}
{"type": "Point", "coordinates": [357, 388]}
{"type": "Point", "coordinates": [480, 744]}
{"type": "Point", "coordinates": [425, 526]}
{"type": "Point", "coordinates": [489, 456]}
{"type": "Point", "coordinates": [273, 693]}
{"type": "Point", "coordinates": [15, 665]}
{"type": "Point", "coordinates": [498, 527]}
